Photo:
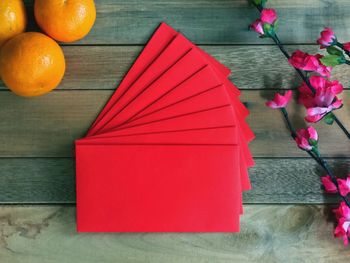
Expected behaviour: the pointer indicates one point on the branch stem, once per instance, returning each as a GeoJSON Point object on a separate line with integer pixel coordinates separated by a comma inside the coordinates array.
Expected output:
{"type": "Point", "coordinates": [286, 54]}
{"type": "Point", "coordinates": [325, 166]}
{"type": "Point", "coordinates": [317, 157]}
{"type": "Point", "coordinates": [338, 44]}
{"type": "Point", "coordinates": [340, 124]}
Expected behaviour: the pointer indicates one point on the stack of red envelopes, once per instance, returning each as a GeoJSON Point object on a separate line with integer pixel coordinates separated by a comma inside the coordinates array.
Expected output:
{"type": "Point", "coordinates": [169, 151]}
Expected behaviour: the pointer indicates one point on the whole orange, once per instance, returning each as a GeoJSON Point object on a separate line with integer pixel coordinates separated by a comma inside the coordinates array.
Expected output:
{"type": "Point", "coordinates": [13, 19]}
{"type": "Point", "coordinates": [65, 20]}
{"type": "Point", "coordinates": [31, 64]}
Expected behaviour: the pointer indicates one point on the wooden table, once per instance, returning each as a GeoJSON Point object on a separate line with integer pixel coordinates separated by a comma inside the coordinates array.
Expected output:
{"type": "Point", "coordinates": [286, 217]}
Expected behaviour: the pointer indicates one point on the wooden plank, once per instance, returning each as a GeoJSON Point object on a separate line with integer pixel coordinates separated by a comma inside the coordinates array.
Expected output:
{"type": "Point", "coordinates": [47, 126]}
{"type": "Point", "coordinates": [37, 180]}
{"type": "Point", "coordinates": [269, 233]}
{"type": "Point", "coordinates": [277, 180]}
{"type": "Point", "coordinates": [253, 67]}
{"type": "Point", "coordinates": [212, 21]}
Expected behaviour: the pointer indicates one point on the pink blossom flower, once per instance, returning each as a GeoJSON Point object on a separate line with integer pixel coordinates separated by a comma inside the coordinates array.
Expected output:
{"type": "Point", "coordinates": [342, 213]}
{"type": "Point", "coordinates": [327, 38]}
{"type": "Point", "coordinates": [328, 184]}
{"type": "Point", "coordinates": [307, 62]}
{"type": "Point", "coordinates": [323, 101]}
{"type": "Point", "coordinates": [307, 138]}
{"type": "Point", "coordinates": [346, 46]}
{"type": "Point", "coordinates": [257, 26]}
{"type": "Point", "coordinates": [344, 186]}
{"type": "Point", "coordinates": [280, 101]}
{"type": "Point", "coordinates": [268, 15]}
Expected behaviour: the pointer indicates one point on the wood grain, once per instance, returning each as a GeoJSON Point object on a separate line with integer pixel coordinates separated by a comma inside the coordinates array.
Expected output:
{"type": "Point", "coordinates": [37, 180]}
{"type": "Point", "coordinates": [34, 130]}
{"type": "Point", "coordinates": [212, 21]}
{"type": "Point", "coordinates": [274, 180]}
{"type": "Point", "coordinates": [269, 233]}
{"type": "Point", "coordinates": [253, 67]}
{"type": "Point", "coordinates": [47, 126]}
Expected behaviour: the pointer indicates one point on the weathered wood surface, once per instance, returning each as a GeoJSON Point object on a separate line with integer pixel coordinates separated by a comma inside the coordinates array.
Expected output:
{"type": "Point", "coordinates": [213, 21]}
{"type": "Point", "coordinates": [274, 180]}
{"type": "Point", "coordinates": [253, 67]}
{"type": "Point", "coordinates": [269, 233]}
{"type": "Point", "coordinates": [36, 164]}
{"type": "Point", "coordinates": [47, 126]}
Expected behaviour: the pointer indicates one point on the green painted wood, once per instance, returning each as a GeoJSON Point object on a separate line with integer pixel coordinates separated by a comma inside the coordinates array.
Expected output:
{"type": "Point", "coordinates": [212, 21]}
{"type": "Point", "coordinates": [47, 126]}
{"type": "Point", "coordinates": [269, 233]}
{"type": "Point", "coordinates": [37, 180]}
{"type": "Point", "coordinates": [277, 180]}
{"type": "Point", "coordinates": [253, 67]}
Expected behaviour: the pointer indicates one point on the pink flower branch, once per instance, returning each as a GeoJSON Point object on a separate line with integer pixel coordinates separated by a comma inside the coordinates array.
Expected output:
{"type": "Point", "coordinates": [306, 139]}
{"type": "Point", "coordinates": [319, 95]}
{"type": "Point", "coordinates": [304, 63]}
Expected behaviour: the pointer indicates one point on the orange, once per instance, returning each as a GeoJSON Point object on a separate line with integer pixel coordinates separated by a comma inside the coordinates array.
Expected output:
{"type": "Point", "coordinates": [31, 64]}
{"type": "Point", "coordinates": [65, 20]}
{"type": "Point", "coordinates": [13, 19]}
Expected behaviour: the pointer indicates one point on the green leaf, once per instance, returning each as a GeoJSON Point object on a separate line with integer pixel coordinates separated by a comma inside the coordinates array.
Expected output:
{"type": "Point", "coordinates": [268, 29]}
{"type": "Point", "coordinates": [315, 151]}
{"type": "Point", "coordinates": [259, 2]}
{"type": "Point", "coordinates": [313, 142]}
{"type": "Point", "coordinates": [329, 118]}
{"type": "Point", "coordinates": [334, 51]}
{"type": "Point", "coordinates": [331, 60]}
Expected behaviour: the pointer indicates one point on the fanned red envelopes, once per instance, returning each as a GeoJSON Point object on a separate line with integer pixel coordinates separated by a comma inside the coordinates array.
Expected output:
{"type": "Point", "coordinates": [169, 151]}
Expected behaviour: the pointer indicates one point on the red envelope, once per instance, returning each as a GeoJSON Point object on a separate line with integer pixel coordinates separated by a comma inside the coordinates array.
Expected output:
{"type": "Point", "coordinates": [137, 188]}
{"type": "Point", "coordinates": [180, 40]}
{"type": "Point", "coordinates": [162, 37]}
{"type": "Point", "coordinates": [155, 46]}
{"type": "Point", "coordinates": [211, 98]}
{"type": "Point", "coordinates": [221, 116]}
{"type": "Point", "coordinates": [169, 149]}
{"type": "Point", "coordinates": [158, 36]}
{"type": "Point", "coordinates": [169, 125]}
{"type": "Point", "coordinates": [198, 92]}
{"type": "Point", "coordinates": [169, 57]}
{"type": "Point", "coordinates": [172, 118]}
{"type": "Point", "coordinates": [167, 121]}
{"type": "Point", "coordinates": [182, 69]}
{"type": "Point", "coordinates": [216, 136]}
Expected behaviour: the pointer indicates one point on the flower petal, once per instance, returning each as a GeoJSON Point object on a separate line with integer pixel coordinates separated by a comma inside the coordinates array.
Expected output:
{"type": "Point", "coordinates": [328, 184]}
{"type": "Point", "coordinates": [312, 133]}
{"type": "Point", "coordinates": [268, 15]}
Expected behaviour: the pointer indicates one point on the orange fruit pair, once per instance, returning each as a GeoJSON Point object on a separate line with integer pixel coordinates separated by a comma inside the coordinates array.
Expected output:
{"type": "Point", "coordinates": [33, 64]}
